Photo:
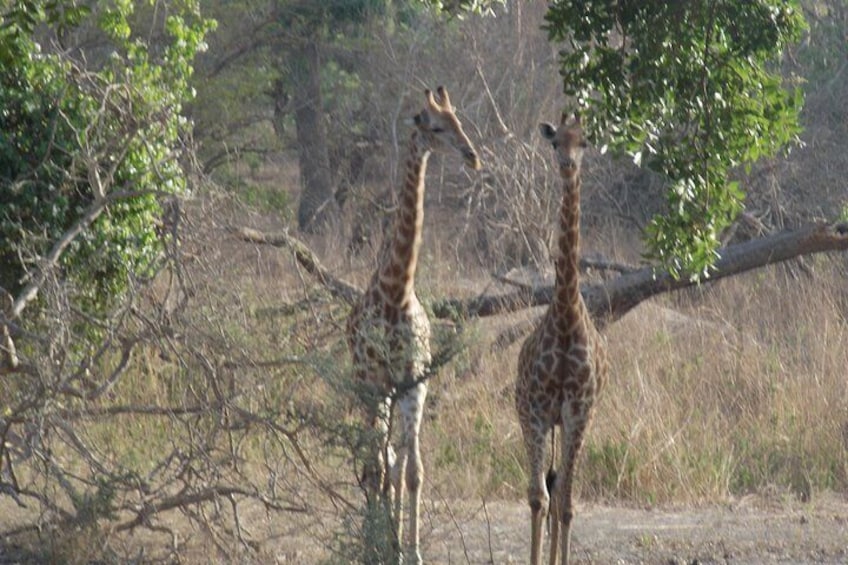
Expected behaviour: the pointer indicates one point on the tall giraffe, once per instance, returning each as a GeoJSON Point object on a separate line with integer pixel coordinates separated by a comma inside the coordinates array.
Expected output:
{"type": "Point", "coordinates": [388, 330]}
{"type": "Point", "coordinates": [562, 365]}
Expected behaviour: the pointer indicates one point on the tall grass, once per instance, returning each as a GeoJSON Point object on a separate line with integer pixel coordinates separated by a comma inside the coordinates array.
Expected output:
{"type": "Point", "coordinates": [732, 388]}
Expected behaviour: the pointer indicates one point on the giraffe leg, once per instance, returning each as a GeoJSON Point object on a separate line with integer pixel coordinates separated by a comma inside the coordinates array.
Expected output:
{"type": "Point", "coordinates": [576, 416]}
{"type": "Point", "coordinates": [380, 451]}
{"type": "Point", "coordinates": [554, 521]}
{"type": "Point", "coordinates": [411, 410]}
{"type": "Point", "coordinates": [378, 476]}
{"type": "Point", "coordinates": [398, 473]}
{"type": "Point", "coordinates": [391, 491]}
{"type": "Point", "coordinates": [537, 492]}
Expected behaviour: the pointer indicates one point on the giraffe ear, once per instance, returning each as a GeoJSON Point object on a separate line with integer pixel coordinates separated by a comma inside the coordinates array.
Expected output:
{"type": "Point", "coordinates": [422, 119]}
{"type": "Point", "coordinates": [547, 130]}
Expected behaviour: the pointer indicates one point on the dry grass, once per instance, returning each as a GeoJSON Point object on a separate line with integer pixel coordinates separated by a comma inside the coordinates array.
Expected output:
{"type": "Point", "coordinates": [726, 390]}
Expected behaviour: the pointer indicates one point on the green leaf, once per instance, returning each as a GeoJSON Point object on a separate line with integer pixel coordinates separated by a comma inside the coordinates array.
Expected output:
{"type": "Point", "coordinates": [694, 86]}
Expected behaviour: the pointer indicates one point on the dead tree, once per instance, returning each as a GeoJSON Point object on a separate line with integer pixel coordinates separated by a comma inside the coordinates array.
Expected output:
{"type": "Point", "coordinates": [610, 300]}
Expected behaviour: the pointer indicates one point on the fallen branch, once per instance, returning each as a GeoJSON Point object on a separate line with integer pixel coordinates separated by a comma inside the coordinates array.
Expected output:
{"type": "Point", "coordinates": [612, 299]}
{"type": "Point", "coordinates": [339, 288]}
{"type": "Point", "coordinates": [607, 301]}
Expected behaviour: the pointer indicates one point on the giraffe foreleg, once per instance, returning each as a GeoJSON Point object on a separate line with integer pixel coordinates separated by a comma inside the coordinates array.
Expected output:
{"type": "Point", "coordinates": [411, 407]}
{"type": "Point", "coordinates": [576, 416]}
{"type": "Point", "coordinates": [537, 491]}
{"type": "Point", "coordinates": [554, 514]}
{"type": "Point", "coordinates": [398, 471]}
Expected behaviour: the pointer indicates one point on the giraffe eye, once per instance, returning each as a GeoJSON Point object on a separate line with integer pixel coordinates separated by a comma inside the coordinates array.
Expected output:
{"type": "Point", "coordinates": [437, 130]}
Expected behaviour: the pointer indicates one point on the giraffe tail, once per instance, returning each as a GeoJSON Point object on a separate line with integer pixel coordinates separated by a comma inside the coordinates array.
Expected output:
{"type": "Point", "coordinates": [550, 478]}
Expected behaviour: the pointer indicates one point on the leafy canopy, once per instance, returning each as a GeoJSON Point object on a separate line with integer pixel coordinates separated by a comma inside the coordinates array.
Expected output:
{"type": "Point", "coordinates": [688, 88]}
{"type": "Point", "coordinates": [68, 121]}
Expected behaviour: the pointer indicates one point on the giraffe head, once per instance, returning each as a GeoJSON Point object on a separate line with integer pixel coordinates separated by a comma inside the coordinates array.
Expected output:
{"type": "Point", "coordinates": [568, 143]}
{"type": "Point", "coordinates": [441, 129]}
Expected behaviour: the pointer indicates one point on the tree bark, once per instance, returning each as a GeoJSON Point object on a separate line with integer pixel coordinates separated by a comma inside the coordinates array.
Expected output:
{"type": "Point", "coordinates": [316, 206]}
{"type": "Point", "coordinates": [612, 299]}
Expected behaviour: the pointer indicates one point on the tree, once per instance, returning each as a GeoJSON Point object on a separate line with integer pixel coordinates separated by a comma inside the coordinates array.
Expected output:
{"type": "Point", "coordinates": [607, 301]}
{"type": "Point", "coordinates": [91, 165]}
{"type": "Point", "coordinates": [88, 152]}
{"type": "Point", "coordinates": [690, 89]}
{"type": "Point", "coordinates": [301, 51]}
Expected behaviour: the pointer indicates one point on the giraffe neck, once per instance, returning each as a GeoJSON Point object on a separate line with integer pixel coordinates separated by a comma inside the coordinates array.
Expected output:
{"type": "Point", "coordinates": [399, 258]}
{"type": "Point", "coordinates": [567, 302]}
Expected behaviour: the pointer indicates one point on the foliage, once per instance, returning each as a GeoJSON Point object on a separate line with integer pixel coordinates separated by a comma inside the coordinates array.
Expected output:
{"type": "Point", "coordinates": [462, 7]}
{"type": "Point", "coordinates": [90, 133]}
{"type": "Point", "coordinates": [291, 64]}
{"type": "Point", "coordinates": [689, 89]}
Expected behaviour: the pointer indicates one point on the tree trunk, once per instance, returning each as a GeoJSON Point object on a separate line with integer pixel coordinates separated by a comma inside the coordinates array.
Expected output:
{"type": "Point", "coordinates": [316, 205]}
{"type": "Point", "coordinates": [607, 301]}
{"type": "Point", "coordinates": [612, 299]}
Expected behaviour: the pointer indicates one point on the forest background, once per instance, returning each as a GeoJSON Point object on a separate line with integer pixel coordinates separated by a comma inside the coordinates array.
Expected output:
{"type": "Point", "coordinates": [201, 380]}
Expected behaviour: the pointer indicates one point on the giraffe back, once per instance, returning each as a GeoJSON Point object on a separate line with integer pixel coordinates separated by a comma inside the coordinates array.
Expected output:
{"type": "Point", "coordinates": [554, 365]}
{"type": "Point", "coordinates": [390, 344]}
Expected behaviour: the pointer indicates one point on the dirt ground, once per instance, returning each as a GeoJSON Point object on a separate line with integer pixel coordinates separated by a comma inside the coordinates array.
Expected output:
{"type": "Point", "coordinates": [753, 530]}
{"type": "Point", "coordinates": [750, 531]}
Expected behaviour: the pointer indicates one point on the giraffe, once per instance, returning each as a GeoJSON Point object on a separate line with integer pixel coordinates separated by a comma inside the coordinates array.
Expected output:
{"type": "Point", "coordinates": [562, 365]}
{"type": "Point", "coordinates": [389, 333]}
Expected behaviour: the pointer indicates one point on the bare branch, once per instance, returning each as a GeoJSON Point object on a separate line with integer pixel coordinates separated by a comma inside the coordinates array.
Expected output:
{"type": "Point", "coordinates": [610, 300]}
{"type": "Point", "coordinates": [8, 355]}
{"type": "Point", "coordinates": [148, 510]}
{"type": "Point", "coordinates": [339, 288]}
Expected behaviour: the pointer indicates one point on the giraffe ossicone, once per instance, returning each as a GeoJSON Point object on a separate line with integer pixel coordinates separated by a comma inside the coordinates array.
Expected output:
{"type": "Point", "coordinates": [389, 333]}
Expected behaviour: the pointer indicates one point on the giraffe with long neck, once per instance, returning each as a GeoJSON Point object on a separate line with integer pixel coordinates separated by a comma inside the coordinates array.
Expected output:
{"type": "Point", "coordinates": [389, 333]}
{"type": "Point", "coordinates": [562, 365]}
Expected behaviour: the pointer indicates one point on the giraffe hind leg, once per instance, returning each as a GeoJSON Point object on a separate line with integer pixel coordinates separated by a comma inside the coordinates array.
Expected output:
{"type": "Point", "coordinates": [555, 534]}
{"type": "Point", "coordinates": [538, 495]}
{"type": "Point", "coordinates": [550, 478]}
{"type": "Point", "coordinates": [553, 507]}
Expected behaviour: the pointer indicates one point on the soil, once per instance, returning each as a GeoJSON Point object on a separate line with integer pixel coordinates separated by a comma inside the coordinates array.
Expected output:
{"type": "Point", "coordinates": [752, 530]}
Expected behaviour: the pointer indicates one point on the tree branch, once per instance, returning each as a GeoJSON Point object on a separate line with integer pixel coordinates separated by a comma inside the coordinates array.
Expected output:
{"type": "Point", "coordinates": [612, 299]}
{"type": "Point", "coordinates": [207, 494]}
{"type": "Point", "coordinates": [607, 301]}
{"type": "Point", "coordinates": [339, 288]}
